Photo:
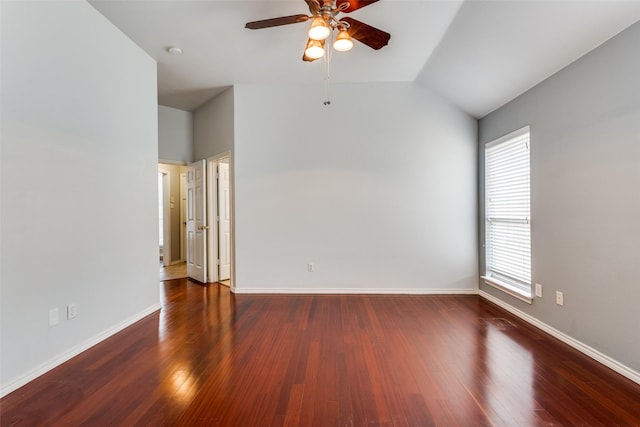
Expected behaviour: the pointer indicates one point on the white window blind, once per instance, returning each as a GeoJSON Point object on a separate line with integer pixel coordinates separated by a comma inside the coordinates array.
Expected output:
{"type": "Point", "coordinates": [507, 212]}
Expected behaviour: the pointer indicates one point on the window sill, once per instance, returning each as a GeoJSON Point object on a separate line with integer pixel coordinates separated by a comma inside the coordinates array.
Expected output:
{"type": "Point", "coordinates": [508, 289]}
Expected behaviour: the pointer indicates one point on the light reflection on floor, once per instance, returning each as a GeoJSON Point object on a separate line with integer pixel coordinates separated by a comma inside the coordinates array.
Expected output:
{"type": "Point", "coordinates": [177, 337]}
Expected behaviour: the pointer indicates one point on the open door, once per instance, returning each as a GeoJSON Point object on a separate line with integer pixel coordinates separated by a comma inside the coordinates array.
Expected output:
{"type": "Point", "coordinates": [183, 217]}
{"type": "Point", "coordinates": [224, 222]}
{"type": "Point", "coordinates": [196, 221]}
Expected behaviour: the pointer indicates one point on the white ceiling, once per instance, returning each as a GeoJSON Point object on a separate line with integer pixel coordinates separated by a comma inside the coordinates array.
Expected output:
{"type": "Point", "coordinates": [478, 53]}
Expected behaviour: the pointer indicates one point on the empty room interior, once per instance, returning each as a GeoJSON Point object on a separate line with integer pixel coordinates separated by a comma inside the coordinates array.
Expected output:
{"type": "Point", "coordinates": [393, 212]}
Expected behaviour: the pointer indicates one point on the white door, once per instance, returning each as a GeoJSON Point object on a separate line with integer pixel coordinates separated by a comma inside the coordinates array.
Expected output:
{"type": "Point", "coordinates": [196, 221]}
{"type": "Point", "coordinates": [224, 223]}
{"type": "Point", "coordinates": [183, 217]}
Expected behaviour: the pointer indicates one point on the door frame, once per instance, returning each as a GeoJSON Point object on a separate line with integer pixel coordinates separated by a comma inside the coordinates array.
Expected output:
{"type": "Point", "coordinates": [212, 212]}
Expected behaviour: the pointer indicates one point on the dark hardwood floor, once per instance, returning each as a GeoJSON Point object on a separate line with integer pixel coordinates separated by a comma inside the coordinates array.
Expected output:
{"type": "Point", "coordinates": [214, 358]}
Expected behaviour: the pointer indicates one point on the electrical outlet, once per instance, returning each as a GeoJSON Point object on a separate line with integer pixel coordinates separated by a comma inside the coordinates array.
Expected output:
{"type": "Point", "coordinates": [310, 267]}
{"type": "Point", "coordinates": [54, 317]}
{"type": "Point", "coordinates": [559, 298]}
{"type": "Point", "coordinates": [538, 290]}
{"type": "Point", "coordinates": [71, 311]}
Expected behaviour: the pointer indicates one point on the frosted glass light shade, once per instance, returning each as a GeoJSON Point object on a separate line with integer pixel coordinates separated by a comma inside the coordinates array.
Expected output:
{"type": "Point", "coordinates": [314, 49]}
{"type": "Point", "coordinates": [319, 29]}
{"type": "Point", "coordinates": [343, 41]}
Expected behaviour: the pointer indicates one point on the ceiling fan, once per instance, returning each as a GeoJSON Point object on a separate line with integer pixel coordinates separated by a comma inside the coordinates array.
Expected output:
{"type": "Point", "coordinates": [324, 21]}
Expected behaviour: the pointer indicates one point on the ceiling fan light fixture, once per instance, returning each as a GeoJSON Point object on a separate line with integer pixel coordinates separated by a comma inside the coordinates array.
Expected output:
{"type": "Point", "coordinates": [319, 30]}
{"type": "Point", "coordinates": [314, 49]}
{"type": "Point", "coordinates": [343, 41]}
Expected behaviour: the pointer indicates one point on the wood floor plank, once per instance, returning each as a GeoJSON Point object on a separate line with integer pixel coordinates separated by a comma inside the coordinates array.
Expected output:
{"type": "Point", "coordinates": [210, 357]}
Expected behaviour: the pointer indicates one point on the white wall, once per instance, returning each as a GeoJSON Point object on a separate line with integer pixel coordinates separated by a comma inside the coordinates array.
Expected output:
{"type": "Point", "coordinates": [213, 125]}
{"type": "Point", "coordinates": [79, 183]}
{"type": "Point", "coordinates": [175, 135]}
{"type": "Point", "coordinates": [585, 196]}
{"type": "Point", "coordinates": [378, 190]}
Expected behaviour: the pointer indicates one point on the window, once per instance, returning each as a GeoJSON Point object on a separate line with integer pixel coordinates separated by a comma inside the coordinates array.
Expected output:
{"type": "Point", "coordinates": [507, 214]}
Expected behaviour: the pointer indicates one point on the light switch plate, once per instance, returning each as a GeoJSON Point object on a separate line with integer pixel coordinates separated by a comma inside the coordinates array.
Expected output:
{"type": "Point", "coordinates": [559, 298]}
{"type": "Point", "coordinates": [538, 290]}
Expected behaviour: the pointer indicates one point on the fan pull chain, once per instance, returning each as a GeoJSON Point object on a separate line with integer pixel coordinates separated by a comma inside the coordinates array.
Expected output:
{"type": "Point", "coordinates": [327, 83]}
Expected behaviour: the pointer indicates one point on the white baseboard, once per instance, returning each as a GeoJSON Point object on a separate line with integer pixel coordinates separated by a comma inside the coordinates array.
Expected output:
{"type": "Point", "coordinates": [72, 352]}
{"type": "Point", "coordinates": [351, 291]}
{"type": "Point", "coordinates": [578, 345]}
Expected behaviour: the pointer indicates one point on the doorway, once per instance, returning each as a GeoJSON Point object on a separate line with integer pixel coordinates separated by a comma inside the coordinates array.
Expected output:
{"type": "Point", "coordinates": [210, 220]}
{"type": "Point", "coordinates": [171, 235]}
{"type": "Point", "coordinates": [164, 214]}
{"type": "Point", "coordinates": [224, 221]}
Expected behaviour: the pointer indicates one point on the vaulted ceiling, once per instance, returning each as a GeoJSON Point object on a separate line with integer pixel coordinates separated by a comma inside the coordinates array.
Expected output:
{"type": "Point", "coordinates": [479, 54]}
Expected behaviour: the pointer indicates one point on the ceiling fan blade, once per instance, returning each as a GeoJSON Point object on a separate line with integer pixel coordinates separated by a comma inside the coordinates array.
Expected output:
{"type": "Point", "coordinates": [314, 6]}
{"type": "Point", "coordinates": [366, 34]}
{"type": "Point", "coordinates": [308, 58]}
{"type": "Point", "coordinates": [274, 22]}
{"type": "Point", "coordinates": [354, 4]}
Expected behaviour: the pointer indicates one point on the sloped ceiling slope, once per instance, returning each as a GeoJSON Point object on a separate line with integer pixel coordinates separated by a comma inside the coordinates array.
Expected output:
{"type": "Point", "coordinates": [479, 54]}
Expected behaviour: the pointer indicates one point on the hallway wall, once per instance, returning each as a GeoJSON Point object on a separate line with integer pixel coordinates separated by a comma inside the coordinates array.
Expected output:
{"type": "Point", "coordinates": [78, 184]}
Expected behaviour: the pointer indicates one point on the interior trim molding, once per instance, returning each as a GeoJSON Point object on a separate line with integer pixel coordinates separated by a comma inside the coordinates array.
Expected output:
{"type": "Point", "coordinates": [74, 351]}
{"type": "Point", "coordinates": [506, 288]}
{"type": "Point", "coordinates": [578, 345]}
{"type": "Point", "coordinates": [173, 162]}
{"type": "Point", "coordinates": [347, 291]}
